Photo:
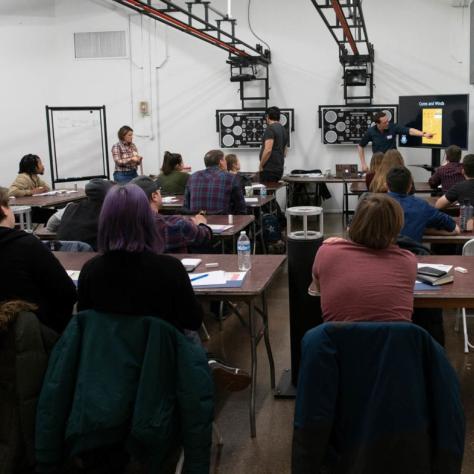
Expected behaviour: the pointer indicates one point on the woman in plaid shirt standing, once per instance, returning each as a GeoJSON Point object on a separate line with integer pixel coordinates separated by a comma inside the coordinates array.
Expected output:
{"type": "Point", "coordinates": [126, 156]}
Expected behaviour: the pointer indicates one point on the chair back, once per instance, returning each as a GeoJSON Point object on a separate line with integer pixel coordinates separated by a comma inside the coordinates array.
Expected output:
{"type": "Point", "coordinates": [468, 248]}
{"type": "Point", "coordinates": [376, 397]}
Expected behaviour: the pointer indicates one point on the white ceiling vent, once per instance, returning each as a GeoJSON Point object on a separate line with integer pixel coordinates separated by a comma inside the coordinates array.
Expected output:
{"type": "Point", "coordinates": [100, 44]}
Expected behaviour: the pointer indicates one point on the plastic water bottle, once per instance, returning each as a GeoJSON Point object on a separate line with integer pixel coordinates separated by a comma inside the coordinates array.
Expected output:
{"type": "Point", "coordinates": [243, 252]}
{"type": "Point", "coordinates": [465, 215]}
{"type": "Point", "coordinates": [263, 191]}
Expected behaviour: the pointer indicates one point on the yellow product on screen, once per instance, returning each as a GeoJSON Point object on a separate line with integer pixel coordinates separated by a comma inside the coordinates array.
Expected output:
{"type": "Point", "coordinates": [433, 123]}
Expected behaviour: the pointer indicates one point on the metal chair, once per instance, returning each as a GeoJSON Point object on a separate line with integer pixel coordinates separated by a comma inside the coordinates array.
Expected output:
{"type": "Point", "coordinates": [468, 250]}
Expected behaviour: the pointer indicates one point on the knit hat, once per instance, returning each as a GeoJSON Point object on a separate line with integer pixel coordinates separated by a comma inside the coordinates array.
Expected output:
{"type": "Point", "coordinates": [97, 188]}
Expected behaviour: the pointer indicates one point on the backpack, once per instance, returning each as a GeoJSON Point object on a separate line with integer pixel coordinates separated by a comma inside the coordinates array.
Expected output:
{"type": "Point", "coordinates": [271, 228]}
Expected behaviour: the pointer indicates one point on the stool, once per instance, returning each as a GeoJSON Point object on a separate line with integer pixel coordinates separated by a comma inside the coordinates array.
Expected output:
{"type": "Point", "coordinates": [305, 212]}
{"type": "Point", "coordinates": [24, 216]}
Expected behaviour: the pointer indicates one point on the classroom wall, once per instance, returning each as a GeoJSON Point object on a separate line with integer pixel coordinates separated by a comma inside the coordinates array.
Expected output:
{"type": "Point", "coordinates": [421, 48]}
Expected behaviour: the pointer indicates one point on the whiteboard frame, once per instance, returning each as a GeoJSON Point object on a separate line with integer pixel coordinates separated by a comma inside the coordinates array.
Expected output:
{"type": "Point", "coordinates": [53, 158]}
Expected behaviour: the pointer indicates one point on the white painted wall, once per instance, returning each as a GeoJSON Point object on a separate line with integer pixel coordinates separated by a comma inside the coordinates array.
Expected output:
{"type": "Point", "coordinates": [421, 48]}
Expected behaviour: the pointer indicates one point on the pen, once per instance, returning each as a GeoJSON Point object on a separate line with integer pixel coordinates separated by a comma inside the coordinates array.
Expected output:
{"type": "Point", "coordinates": [200, 276]}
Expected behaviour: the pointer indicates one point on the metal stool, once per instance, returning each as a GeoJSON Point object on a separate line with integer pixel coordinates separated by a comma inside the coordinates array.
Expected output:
{"type": "Point", "coordinates": [24, 216]}
{"type": "Point", "coordinates": [305, 212]}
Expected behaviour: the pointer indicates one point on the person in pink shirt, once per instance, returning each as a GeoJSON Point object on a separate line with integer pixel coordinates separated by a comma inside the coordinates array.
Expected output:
{"type": "Point", "coordinates": [368, 277]}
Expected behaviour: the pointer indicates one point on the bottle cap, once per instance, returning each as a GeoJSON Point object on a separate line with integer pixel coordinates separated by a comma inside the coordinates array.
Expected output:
{"type": "Point", "coordinates": [242, 232]}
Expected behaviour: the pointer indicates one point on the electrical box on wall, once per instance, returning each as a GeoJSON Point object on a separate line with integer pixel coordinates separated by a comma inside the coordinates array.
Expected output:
{"type": "Point", "coordinates": [144, 108]}
{"type": "Point", "coordinates": [245, 128]}
{"type": "Point", "coordinates": [346, 125]}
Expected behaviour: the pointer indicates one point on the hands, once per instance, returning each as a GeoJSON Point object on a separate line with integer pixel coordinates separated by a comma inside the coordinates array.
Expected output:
{"type": "Point", "coordinates": [428, 134]}
{"type": "Point", "coordinates": [137, 159]}
{"type": "Point", "coordinates": [199, 219]}
{"type": "Point", "coordinates": [39, 190]}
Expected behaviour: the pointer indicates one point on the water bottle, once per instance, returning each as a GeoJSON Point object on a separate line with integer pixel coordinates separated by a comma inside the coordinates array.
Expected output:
{"type": "Point", "coordinates": [465, 215]}
{"type": "Point", "coordinates": [243, 252]}
{"type": "Point", "coordinates": [263, 191]}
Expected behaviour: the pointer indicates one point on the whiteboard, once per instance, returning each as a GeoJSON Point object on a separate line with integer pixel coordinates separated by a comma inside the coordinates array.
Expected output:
{"type": "Point", "coordinates": [78, 143]}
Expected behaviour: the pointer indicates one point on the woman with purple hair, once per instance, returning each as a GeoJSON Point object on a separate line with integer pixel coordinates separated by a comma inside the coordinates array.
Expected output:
{"type": "Point", "coordinates": [129, 277]}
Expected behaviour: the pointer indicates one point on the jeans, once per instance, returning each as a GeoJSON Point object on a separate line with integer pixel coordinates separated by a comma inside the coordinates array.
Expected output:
{"type": "Point", "coordinates": [123, 177]}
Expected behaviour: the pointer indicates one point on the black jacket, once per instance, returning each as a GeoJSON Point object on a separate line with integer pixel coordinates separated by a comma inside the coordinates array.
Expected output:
{"type": "Point", "coordinates": [80, 222]}
{"type": "Point", "coordinates": [32, 273]}
{"type": "Point", "coordinates": [376, 398]}
{"type": "Point", "coordinates": [25, 345]}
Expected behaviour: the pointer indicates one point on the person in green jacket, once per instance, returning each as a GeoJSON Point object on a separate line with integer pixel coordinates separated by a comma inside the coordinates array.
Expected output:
{"type": "Point", "coordinates": [172, 178]}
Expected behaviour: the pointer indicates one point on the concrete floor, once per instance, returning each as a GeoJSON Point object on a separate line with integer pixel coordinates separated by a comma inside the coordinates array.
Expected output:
{"type": "Point", "coordinates": [270, 451]}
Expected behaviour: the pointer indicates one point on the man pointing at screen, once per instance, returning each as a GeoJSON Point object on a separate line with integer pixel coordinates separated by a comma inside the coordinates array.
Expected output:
{"type": "Point", "coordinates": [383, 136]}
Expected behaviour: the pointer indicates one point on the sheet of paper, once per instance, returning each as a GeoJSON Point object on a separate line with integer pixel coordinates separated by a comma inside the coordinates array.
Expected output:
{"type": "Point", "coordinates": [218, 228]}
{"type": "Point", "coordinates": [208, 279]}
{"type": "Point", "coordinates": [251, 200]}
{"type": "Point", "coordinates": [438, 266]}
{"type": "Point", "coordinates": [234, 276]}
{"type": "Point", "coordinates": [73, 274]}
{"type": "Point", "coordinates": [191, 261]}
{"type": "Point", "coordinates": [168, 199]}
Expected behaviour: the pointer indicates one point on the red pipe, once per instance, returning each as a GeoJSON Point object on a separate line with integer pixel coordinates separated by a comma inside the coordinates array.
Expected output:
{"type": "Point", "coordinates": [188, 28]}
{"type": "Point", "coordinates": [345, 26]}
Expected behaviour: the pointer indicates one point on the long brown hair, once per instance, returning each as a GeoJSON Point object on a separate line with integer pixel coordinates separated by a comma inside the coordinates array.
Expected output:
{"type": "Point", "coordinates": [170, 162]}
{"type": "Point", "coordinates": [377, 221]}
{"type": "Point", "coordinates": [3, 202]}
{"type": "Point", "coordinates": [390, 159]}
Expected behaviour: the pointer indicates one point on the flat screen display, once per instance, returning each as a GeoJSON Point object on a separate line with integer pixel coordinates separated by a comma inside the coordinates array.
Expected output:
{"type": "Point", "coordinates": [446, 116]}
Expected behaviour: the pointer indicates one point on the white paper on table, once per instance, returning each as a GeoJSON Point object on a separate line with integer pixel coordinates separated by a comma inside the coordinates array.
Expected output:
{"type": "Point", "coordinates": [218, 228]}
{"type": "Point", "coordinates": [251, 200]}
{"type": "Point", "coordinates": [73, 274]}
{"type": "Point", "coordinates": [438, 266]}
{"type": "Point", "coordinates": [211, 279]}
{"type": "Point", "coordinates": [168, 199]}
{"type": "Point", "coordinates": [56, 192]}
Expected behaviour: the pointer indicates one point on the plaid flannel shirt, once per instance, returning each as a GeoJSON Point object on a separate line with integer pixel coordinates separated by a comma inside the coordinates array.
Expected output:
{"type": "Point", "coordinates": [214, 191]}
{"type": "Point", "coordinates": [178, 233]}
{"type": "Point", "coordinates": [122, 154]}
{"type": "Point", "coordinates": [447, 175]}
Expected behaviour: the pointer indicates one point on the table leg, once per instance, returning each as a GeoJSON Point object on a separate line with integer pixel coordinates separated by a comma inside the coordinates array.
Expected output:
{"type": "Point", "coordinates": [262, 240]}
{"type": "Point", "coordinates": [266, 336]}
{"type": "Point", "coordinates": [253, 370]}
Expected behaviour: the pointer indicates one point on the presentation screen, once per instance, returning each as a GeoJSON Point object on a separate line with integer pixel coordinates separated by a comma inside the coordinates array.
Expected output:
{"type": "Point", "coordinates": [446, 116]}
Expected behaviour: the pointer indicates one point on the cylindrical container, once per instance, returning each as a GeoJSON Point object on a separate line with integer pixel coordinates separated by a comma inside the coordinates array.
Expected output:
{"type": "Point", "coordinates": [243, 252]}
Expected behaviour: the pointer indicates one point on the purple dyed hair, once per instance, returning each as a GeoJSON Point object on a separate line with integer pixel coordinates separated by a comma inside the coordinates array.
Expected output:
{"type": "Point", "coordinates": [127, 222]}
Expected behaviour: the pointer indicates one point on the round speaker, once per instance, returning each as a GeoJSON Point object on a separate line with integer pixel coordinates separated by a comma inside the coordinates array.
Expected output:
{"type": "Point", "coordinates": [330, 116]}
{"type": "Point", "coordinates": [227, 121]}
{"type": "Point", "coordinates": [331, 136]}
{"type": "Point", "coordinates": [228, 140]}
{"type": "Point", "coordinates": [237, 130]}
{"type": "Point", "coordinates": [340, 126]}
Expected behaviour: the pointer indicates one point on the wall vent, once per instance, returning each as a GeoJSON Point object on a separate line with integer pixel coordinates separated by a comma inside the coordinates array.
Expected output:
{"type": "Point", "coordinates": [100, 44]}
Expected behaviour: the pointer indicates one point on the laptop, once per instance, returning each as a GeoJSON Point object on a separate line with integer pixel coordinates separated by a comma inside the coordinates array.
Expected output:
{"type": "Point", "coordinates": [346, 171]}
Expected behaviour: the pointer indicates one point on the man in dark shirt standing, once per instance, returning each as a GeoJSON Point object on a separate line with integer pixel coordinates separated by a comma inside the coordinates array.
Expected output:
{"type": "Point", "coordinates": [273, 149]}
{"type": "Point", "coordinates": [383, 136]}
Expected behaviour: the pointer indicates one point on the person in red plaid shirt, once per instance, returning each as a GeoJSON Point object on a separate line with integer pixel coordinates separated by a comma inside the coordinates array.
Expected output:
{"type": "Point", "coordinates": [451, 172]}
{"type": "Point", "coordinates": [126, 157]}
{"type": "Point", "coordinates": [178, 234]}
{"type": "Point", "coordinates": [214, 189]}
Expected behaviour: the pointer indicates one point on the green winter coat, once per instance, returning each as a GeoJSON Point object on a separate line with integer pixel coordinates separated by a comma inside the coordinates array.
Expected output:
{"type": "Point", "coordinates": [115, 378]}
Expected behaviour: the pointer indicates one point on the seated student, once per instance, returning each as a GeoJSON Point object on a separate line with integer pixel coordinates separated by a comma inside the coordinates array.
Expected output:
{"type": "Point", "coordinates": [462, 191]}
{"type": "Point", "coordinates": [451, 172]}
{"type": "Point", "coordinates": [420, 217]}
{"type": "Point", "coordinates": [28, 181]}
{"type": "Point", "coordinates": [172, 178]}
{"type": "Point", "coordinates": [129, 277]}
{"type": "Point", "coordinates": [214, 190]}
{"type": "Point", "coordinates": [177, 233]}
{"type": "Point", "coordinates": [30, 272]}
{"type": "Point", "coordinates": [233, 166]}
{"type": "Point", "coordinates": [390, 159]}
{"type": "Point", "coordinates": [25, 345]}
{"type": "Point", "coordinates": [385, 293]}
{"type": "Point", "coordinates": [375, 163]}
{"type": "Point", "coordinates": [79, 220]}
